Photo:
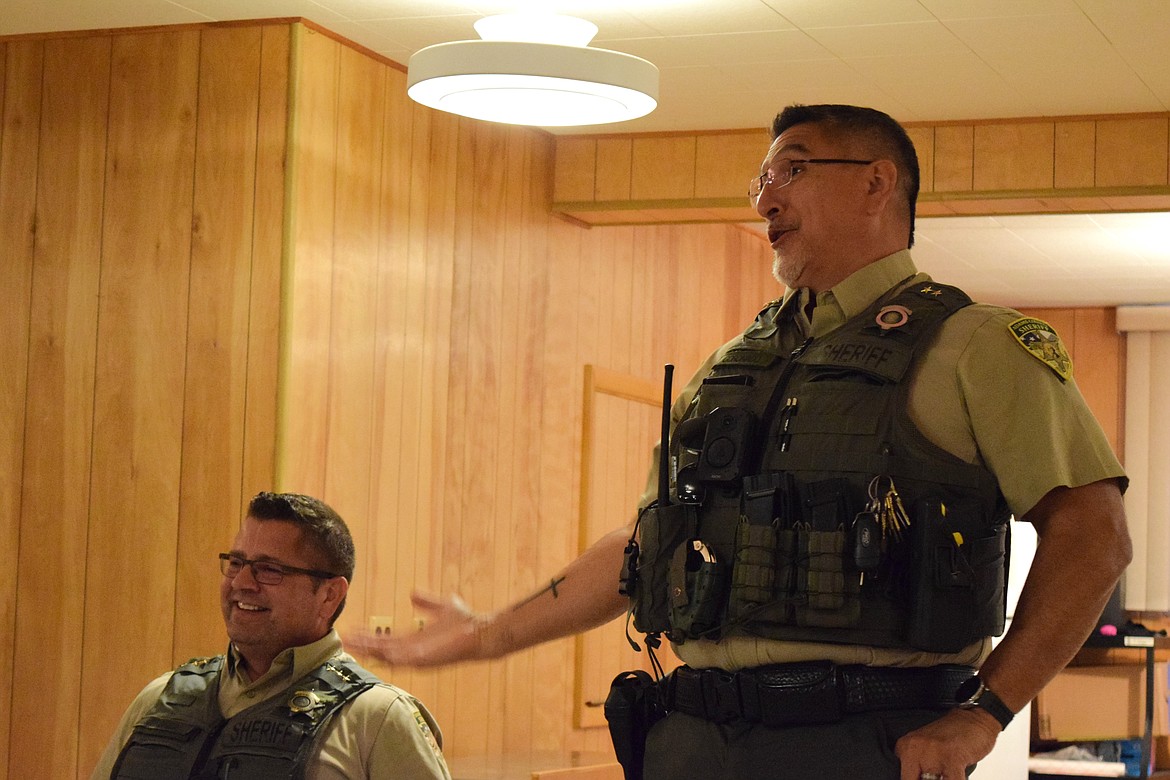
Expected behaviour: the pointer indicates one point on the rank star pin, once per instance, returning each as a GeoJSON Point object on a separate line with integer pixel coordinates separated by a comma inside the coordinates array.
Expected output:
{"type": "Point", "coordinates": [339, 672]}
{"type": "Point", "coordinates": [928, 290]}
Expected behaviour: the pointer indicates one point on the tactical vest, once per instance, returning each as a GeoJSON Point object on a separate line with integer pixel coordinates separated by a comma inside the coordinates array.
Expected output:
{"type": "Point", "coordinates": [185, 736]}
{"type": "Point", "coordinates": [805, 505]}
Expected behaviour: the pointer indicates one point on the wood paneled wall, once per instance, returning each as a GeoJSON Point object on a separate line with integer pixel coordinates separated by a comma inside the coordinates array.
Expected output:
{"type": "Point", "coordinates": [141, 183]}
{"type": "Point", "coordinates": [236, 257]}
{"type": "Point", "coordinates": [1025, 166]}
{"type": "Point", "coordinates": [439, 321]}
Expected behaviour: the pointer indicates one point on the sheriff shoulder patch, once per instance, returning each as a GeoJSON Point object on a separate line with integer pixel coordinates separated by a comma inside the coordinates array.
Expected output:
{"type": "Point", "coordinates": [1042, 343]}
{"type": "Point", "coordinates": [428, 735]}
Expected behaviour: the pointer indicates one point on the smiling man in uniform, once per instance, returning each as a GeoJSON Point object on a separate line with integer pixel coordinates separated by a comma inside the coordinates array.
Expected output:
{"type": "Point", "coordinates": [285, 701]}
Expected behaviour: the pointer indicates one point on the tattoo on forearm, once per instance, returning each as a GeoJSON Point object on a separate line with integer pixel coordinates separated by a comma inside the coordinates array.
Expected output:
{"type": "Point", "coordinates": [552, 586]}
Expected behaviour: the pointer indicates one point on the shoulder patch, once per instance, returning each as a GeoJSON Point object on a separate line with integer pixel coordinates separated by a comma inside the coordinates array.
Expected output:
{"type": "Point", "coordinates": [428, 735]}
{"type": "Point", "coordinates": [1042, 343]}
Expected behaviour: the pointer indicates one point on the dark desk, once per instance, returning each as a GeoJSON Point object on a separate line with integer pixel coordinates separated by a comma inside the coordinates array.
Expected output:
{"type": "Point", "coordinates": [1149, 644]}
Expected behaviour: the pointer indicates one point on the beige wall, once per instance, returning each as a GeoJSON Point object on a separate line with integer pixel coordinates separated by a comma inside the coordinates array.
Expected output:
{"type": "Point", "coordinates": [393, 320]}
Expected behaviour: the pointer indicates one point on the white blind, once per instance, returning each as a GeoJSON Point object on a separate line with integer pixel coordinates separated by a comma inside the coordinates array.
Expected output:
{"type": "Point", "coordinates": [1147, 454]}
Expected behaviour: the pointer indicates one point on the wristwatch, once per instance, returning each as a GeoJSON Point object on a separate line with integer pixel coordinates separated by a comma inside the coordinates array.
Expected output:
{"type": "Point", "coordinates": [974, 693]}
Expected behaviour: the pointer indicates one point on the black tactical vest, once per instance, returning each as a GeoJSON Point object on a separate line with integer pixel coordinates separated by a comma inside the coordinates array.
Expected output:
{"type": "Point", "coordinates": [783, 470]}
{"type": "Point", "coordinates": [185, 736]}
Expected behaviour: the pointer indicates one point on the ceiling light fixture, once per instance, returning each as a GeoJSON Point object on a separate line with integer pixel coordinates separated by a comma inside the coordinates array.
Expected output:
{"type": "Point", "coordinates": [533, 69]}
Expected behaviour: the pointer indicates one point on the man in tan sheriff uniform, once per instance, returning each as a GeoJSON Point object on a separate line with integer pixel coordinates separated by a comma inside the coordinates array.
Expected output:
{"type": "Point", "coordinates": [286, 700]}
{"type": "Point", "coordinates": [990, 399]}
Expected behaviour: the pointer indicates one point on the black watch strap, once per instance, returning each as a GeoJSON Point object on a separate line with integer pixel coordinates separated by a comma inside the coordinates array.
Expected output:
{"type": "Point", "coordinates": [975, 693]}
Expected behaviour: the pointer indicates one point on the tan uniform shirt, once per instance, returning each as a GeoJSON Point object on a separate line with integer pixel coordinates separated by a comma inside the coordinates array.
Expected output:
{"type": "Point", "coordinates": [383, 732]}
{"type": "Point", "coordinates": [977, 393]}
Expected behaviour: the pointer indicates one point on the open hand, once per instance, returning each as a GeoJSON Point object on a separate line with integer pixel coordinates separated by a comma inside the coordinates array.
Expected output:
{"type": "Point", "coordinates": [451, 632]}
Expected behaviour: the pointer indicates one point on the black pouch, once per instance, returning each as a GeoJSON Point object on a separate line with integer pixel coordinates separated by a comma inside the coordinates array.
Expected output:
{"type": "Point", "coordinates": [661, 531]}
{"type": "Point", "coordinates": [797, 694]}
{"type": "Point", "coordinates": [631, 709]}
{"type": "Point", "coordinates": [959, 575]}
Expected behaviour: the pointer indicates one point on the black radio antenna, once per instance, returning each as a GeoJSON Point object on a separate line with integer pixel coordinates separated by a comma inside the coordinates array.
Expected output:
{"type": "Point", "coordinates": [664, 443]}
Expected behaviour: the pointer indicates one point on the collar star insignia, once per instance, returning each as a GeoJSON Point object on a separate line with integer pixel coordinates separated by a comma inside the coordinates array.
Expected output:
{"type": "Point", "coordinates": [339, 672]}
{"type": "Point", "coordinates": [928, 290]}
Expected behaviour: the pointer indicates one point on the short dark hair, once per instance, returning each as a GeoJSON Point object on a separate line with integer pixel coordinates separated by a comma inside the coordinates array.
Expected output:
{"type": "Point", "coordinates": [324, 530]}
{"type": "Point", "coordinates": [880, 134]}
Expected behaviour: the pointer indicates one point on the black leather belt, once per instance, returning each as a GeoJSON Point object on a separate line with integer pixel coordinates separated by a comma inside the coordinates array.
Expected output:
{"type": "Point", "coordinates": [808, 693]}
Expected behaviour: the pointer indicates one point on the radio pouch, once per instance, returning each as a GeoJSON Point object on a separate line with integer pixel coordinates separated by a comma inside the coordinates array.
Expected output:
{"type": "Point", "coordinates": [661, 530]}
{"type": "Point", "coordinates": [960, 573]}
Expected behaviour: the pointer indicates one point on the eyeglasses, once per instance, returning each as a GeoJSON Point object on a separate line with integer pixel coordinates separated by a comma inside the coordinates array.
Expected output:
{"type": "Point", "coordinates": [783, 171]}
{"type": "Point", "coordinates": [265, 572]}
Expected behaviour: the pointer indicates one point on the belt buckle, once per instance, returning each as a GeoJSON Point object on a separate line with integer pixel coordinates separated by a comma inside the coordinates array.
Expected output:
{"type": "Point", "coordinates": [720, 695]}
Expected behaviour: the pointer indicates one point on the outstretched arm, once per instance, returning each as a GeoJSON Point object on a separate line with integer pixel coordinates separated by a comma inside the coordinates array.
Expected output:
{"type": "Point", "coordinates": [1083, 549]}
{"type": "Point", "coordinates": [582, 596]}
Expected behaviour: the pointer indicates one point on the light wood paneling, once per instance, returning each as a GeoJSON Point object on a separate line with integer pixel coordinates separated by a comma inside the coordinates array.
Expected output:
{"type": "Point", "coordinates": [726, 163]}
{"type": "Point", "coordinates": [663, 167]}
{"type": "Point", "coordinates": [923, 140]}
{"type": "Point", "coordinates": [21, 66]}
{"type": "Point", "coordinates": [270, 223]}
{"type": "Point", "coordinates": [139, 150]}
{"type": "Point", "coordinates": [217, 336]}
{"type": "Point", "coordinates": [954, 158]}
{"type": "Point", "coordinates": [57, 477]}
{"type": "Point", "coordinates": [1100, 370]}
{"type": "Point", "coordinates": [139, 382]}
{"type": "Point", "coordinates": [575, 166]}
{"type": "Point", "coordinates": [1073, 154]}
{"type": "Point", "coordinates": [308, 305]}
{"type": "Point", "coordinates": [361, 96]}
{"type": "Point", "coordinates": [1132, 152]}
{"type": "Point", "coordinates": [1013, 156]}
{"type": "Point", "coordinates": [1019, 166]}
{"type": "Point", "coordinates": [614, 169]}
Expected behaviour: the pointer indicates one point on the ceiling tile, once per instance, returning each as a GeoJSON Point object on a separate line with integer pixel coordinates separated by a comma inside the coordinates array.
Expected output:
{"type": "Point", "coordinates": [1052, 35]}
{"type": "Point", "coordinates": [360, 10]}
{"type": "Point", "coordinates": [33, 16]}
{"type": "Point", "coordinates": [931, 37]}
{"type": "Point", "coordinates": [418, 32]}
{"type": "Point", "coordinates": [726, 49]}
{"type": "Point", "coordinates": [958, 85]}
{"type": "Point", "coordinates": [821, 14]}
{"type": "Point", "coordinates": [965, 9]}
{"type": "Point", "coordinates": [725, 16]}
{"type": "Point", "coordinates": [262, 9]}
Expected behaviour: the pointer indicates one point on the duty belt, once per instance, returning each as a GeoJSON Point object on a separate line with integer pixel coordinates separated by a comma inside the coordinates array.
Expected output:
{"type": "Point", "coordinates": [808, 693]}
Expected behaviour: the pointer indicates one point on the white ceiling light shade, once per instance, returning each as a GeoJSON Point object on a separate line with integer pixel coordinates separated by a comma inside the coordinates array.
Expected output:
{"type": "Point", "coordinates": [533, 69]}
